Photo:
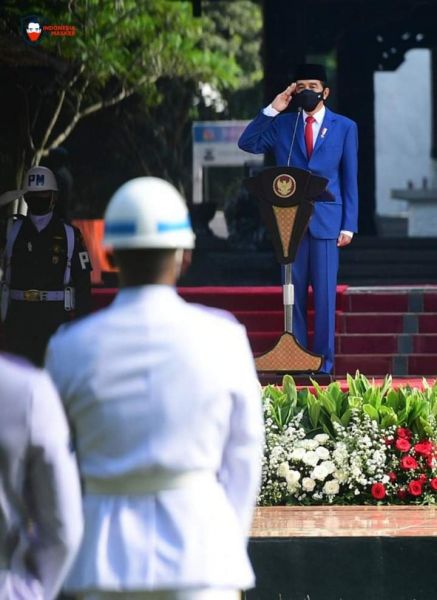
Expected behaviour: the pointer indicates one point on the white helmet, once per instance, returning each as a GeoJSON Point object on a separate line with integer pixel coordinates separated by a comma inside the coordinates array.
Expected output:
{"type": "Point", "coordinates": [147, 212]}
{"type": "Point", "coordinates": [39, 179]}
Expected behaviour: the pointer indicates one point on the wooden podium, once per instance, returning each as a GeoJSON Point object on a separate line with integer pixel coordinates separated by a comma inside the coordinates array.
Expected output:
{"type": "Point", "coordinates": [286, 196]}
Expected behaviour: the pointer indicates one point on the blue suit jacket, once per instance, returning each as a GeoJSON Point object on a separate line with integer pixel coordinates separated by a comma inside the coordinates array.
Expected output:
{"type": "Point", "coordinates": [334, 156]}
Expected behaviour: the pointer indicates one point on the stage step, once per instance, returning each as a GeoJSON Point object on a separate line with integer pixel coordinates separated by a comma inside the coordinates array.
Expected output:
{"type": "Point", "coordinates": [379, 365]}
{"type": "Point", "coordinates": [366, 261]}
{"type": "Point", "coordinates": [273, 321]}
{"type": "Point", "coordinates": [388, 329]}
{"type": "Point", "coordinates": [373, 261]}
{"type": "Point", "coordinates": [387, 322]}
{"type": "Point", "coordinates": [244, 298]}
{"type": "Point", "coordinates": [359, 344]}
{"type": "Point", "coordinates": [380, 330]}
{"type": "Point", "coordinates": [390, 299]}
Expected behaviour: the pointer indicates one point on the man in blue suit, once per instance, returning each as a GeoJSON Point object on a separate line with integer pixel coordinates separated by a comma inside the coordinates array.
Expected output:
{"type": "Point", "coordinates": [325, 144]}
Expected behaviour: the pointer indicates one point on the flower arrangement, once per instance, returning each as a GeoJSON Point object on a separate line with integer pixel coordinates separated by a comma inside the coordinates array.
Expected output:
{"type": "Point", "coordinates": [412, 468]}
{"type": "Point", "coordinates": [369, 444]}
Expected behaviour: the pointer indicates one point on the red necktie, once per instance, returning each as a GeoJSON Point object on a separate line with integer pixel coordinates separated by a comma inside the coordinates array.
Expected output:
{"type": "Point", "coordinates": [309, 142]}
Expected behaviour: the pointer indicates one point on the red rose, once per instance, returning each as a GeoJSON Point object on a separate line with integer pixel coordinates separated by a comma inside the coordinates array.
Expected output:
{"type": "Point", "coordinates": [424, 448]}
{"type": "Point", "coordinates": [378, 491]}
{"type": "Point", "coordinates": [415, 488]}
{"type": "Point", "coordinates": [433, 484]}
{"type": "Point", "coordinates": [402, 494]}
{"type": "Point", "coordinates": [389, 441]}
{"type": "Point", "coordinates": [430, 461]}
{"type": "Point", "coordinates": [408, 463]}
{"type": "Point", "coordinates": [402, 444]}
{"type": "Point", "coordinates": [392, 476]}
{"type": "Point", "coordinates": [403, 432]}
{"type": "Point", "coordinates": [423, 478]}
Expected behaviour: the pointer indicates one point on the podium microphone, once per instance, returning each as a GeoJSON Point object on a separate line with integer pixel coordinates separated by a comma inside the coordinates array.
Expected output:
{"type": "Point", "coordinates": [299, 112]}
{"type": "Point", "coordinates": [287, 283]}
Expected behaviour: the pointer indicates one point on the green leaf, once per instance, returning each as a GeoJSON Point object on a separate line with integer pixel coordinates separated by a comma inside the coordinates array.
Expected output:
{"type": "Point", "coordinates": [389, 420]}
{"type": "Point", "coordinates": [314, 409]}
{"type": "Point", "coordinates": [289, 387]}
{"type": "Point", "coordinates": [328, 404]}
{"type": "Point", "coordinates": [371, 411]}
{"type": "Point", "coordinates": [388, 380]}
{"type": "Point", "coordinates": [394, 400]}
{"type": "Point", "coordinates": [355, 402]}
{"type": "Point", "coordinates": [345, 418]}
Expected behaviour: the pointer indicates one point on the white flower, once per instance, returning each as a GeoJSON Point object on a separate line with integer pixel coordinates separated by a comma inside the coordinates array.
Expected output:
{"type": "Point", "coordinates": [340, 453]}
{"type": "Point", "coordinates": [298, 454]}
{"type": "Point", "coordinates": [311, 459]}
{"type": "Point", "coordinates": [277, 451]}
{"type": "Point", "coordinates": [331, 488]}
{"type": "Point", "coordinates": [378, 456]}
{"type": "Point", "coordinates": [340, 475]}
{"type": "Point", "coordinates": [322, 438]}
{"type": "Point", "coordinates": [320, 473]}
{"type": "Point", "coordinates": [356, 472]}
{"type": "Point", "coordinates": [283, 469]}
{"type": "Point", "coordinates": [322, 452]}
{"type": "Point", "coordinates": [329, 466]}
{"type": "Point", "coordinates": [308, 484]}
{"type": "Point", "coordinates": [292, 487]}
{"type": "Point", "coordinates": [311, 444]}
{"type": "Point", "coordinates": [292, 477]}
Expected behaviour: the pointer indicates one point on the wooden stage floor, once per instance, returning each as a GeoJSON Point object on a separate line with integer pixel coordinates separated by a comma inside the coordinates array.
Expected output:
{"type": "Point", "coordinates": [344, 521]}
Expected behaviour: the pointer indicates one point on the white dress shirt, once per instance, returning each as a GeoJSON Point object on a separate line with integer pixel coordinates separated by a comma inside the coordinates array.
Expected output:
{"type": "Point", "coordinates": [155, 389]}
{"type": "Point", "coordinates": [269, 111]}
{"type": "Point", "coordinates": [40, 498]}
{"type": "Point", "coordinates": [317, 123]}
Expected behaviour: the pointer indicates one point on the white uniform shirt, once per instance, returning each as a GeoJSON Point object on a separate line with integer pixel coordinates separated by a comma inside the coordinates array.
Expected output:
{"type": "Point", "coordinates": [153, 385]}
{"type": "Point", "coordinates": [40, 500]}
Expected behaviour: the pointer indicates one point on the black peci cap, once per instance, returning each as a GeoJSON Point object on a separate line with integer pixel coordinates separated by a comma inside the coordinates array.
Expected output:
{"type": "Point", "coordinates": [310, 71]}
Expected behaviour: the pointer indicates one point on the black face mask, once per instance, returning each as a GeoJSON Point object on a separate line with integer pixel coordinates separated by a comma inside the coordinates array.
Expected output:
{"type": "Point", "coordinates": [308, 99]}
{"type": "Point", "coordinates": [39, 205]}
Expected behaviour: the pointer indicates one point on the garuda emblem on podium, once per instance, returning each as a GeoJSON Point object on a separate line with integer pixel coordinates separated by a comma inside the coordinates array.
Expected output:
{"type": "Point", "coordinates": [284, 185]}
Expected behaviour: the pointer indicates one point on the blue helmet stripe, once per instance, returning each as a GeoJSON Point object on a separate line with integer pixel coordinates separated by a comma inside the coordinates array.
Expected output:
{"type": "Point", "coordinates": [120, 228]}
{"type": "Point", "coordinates": [164, 227]}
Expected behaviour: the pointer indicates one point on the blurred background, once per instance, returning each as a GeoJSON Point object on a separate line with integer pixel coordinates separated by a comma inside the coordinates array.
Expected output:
{"type": "Point", "coordinates": [122, 97]}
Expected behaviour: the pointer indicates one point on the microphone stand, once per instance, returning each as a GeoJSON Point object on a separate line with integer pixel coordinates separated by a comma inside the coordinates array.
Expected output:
{"type": "Point", "coordinates": [287, 286]}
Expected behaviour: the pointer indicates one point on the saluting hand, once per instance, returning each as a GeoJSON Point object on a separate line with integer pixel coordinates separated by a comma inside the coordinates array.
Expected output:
{"type": "Point", "coordinates": [283, 99]}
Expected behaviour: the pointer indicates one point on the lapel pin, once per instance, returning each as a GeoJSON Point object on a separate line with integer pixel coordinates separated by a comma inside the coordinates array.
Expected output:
{"type": "Point", "coordinates": [324, 130]}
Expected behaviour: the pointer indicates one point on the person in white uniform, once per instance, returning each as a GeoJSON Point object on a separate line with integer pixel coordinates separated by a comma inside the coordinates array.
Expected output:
{"type": "Point", "coordinates": [165, 404]}
{"type": "Point", "coordinates": [40, 499]}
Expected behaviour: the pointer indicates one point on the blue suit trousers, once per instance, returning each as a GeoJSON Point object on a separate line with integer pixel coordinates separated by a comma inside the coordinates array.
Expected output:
{"type": "Point", "coordinates": [316, 264]}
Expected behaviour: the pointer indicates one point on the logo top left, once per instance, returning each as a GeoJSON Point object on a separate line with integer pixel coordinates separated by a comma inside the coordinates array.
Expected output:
{"type": "Point", "coordinates": [32, 29]}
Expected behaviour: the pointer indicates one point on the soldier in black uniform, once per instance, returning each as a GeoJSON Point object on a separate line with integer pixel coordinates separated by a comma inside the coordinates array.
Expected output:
{"type": "Point", "coordinates": [46, 279]}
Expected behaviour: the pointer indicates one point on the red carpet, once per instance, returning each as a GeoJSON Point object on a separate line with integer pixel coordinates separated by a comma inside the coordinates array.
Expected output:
{"type": "Point", "coordinates": [379, 330]}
